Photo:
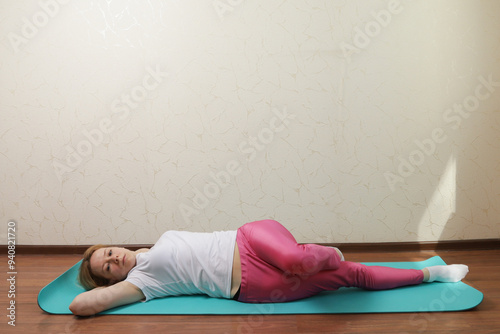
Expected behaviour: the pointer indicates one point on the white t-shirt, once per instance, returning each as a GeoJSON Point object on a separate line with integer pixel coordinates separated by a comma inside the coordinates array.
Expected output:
{"type": "Point", "coordinates": [186, 263]}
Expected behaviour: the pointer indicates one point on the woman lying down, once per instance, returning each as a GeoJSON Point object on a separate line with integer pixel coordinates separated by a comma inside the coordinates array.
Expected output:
{"type": "Point", "coordinates": [261, 262]}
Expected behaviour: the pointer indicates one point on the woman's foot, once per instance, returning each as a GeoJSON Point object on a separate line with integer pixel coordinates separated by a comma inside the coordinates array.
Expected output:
{"type": "Point", "coordinates": [448, 274]}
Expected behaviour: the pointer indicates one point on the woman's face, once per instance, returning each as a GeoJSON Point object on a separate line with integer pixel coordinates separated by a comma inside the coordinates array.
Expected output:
{"type": "Point", "coordinates": [112, 263]}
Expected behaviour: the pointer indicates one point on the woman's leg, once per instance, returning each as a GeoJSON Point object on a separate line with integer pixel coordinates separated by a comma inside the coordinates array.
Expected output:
{"type": "Point", "coordinates": [277, 269]}
{"type": "Point", "coordinates": [274, 244]}
{"type": "Point", "coordinates": [352, 274]}
{"type": "Point", "coordinates": [276, 286]}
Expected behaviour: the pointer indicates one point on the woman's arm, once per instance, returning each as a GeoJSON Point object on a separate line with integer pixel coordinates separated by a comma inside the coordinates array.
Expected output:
{"type": "Point", "coordinates": [103, 298]}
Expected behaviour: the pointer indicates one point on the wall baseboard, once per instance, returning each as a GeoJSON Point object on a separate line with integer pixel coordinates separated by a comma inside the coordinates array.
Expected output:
{"type": "Point", "coordinates": [416, 246]}
{"type": "Point", "coordinates": [448, 245]}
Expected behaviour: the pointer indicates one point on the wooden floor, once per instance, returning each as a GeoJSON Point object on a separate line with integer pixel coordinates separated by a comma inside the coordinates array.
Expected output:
{"type": "Point", "coordinates": [36, 271]}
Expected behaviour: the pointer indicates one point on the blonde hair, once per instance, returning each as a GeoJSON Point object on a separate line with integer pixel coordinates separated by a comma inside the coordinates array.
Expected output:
{"type": "Point", "coordinates": [86, 277]}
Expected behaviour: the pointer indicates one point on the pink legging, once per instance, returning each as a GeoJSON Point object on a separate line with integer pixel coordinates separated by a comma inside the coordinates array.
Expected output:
{"type": "Point", "coordinates": [275, 268]}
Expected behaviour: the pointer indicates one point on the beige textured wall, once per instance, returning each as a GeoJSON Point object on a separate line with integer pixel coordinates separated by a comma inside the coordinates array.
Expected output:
{"type": "Point", "coordinates": [348, 121]}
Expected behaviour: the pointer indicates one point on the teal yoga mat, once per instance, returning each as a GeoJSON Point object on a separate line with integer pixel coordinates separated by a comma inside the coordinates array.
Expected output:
{"type": "Point", "coordinates": [429, 297]}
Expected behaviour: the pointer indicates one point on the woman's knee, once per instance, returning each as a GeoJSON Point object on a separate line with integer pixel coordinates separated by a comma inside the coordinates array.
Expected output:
{"type": "Point", "coordinates": [298, 262]}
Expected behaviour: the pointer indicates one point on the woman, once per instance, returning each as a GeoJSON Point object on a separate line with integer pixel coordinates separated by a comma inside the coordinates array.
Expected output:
{"type": "Point", "coordinates": [260, 262]}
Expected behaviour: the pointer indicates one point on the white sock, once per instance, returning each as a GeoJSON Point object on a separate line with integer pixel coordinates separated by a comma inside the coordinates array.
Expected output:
{"type": "Point", "coordinates": [340, 253]}
{"type": "Point", "coordinates": [447, 274]}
